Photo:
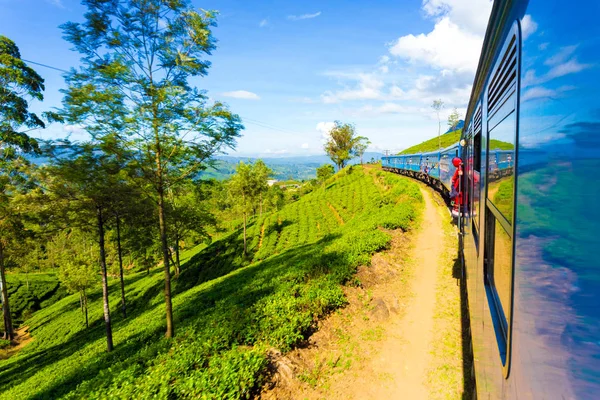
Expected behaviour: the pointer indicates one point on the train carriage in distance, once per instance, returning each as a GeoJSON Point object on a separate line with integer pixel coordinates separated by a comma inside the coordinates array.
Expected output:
{"type": "Point", "coordinates": [531, 156]}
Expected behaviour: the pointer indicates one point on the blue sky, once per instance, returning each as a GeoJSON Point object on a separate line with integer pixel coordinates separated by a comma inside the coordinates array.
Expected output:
{"type": "Point", "coordinates": [289, 69]}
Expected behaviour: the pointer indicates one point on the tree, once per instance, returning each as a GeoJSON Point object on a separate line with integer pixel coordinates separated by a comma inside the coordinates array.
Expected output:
{"type": "Point", "coordinates": [325, 172]}
{"type": "Point", "coordinates": [276, 197]}
{"type": "Point", "coordinates": [18, 85]}
{"type": "Point", "coordinates": [341, 144]}
{"type": "Point", "coordinates": [361, 146]}
{"type": "Point", "coordinates": [76, 258]}
{"type": "Point", "coordinates": [261, 174]}
{"type": "Point", "coordinates": [437, 106]}
{"type": "Point", "coordinates": [137, 58]}
{"type": "Point", "coordinates": [92, 182]}
{"type": "Point", "coordinates": [453, 119]}
{"type": "Point", "coordinates": [246, 187]}
{"type": "Point", "coordinates": [188, 214]}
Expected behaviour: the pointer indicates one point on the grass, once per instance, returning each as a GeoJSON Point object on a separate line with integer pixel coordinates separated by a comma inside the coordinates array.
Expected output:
{"type": "Point", "coordinates": [433, 144]}
{"type": "Point", "coordinates": [228, 309]}
{"type": "Point", "coordinates": [502, 191]}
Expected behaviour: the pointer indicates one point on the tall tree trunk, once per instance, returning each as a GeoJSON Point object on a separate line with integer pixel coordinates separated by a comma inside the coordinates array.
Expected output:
{"type": "Point", "coordinates": [177, 260]}
{"type": "Point", "coordinates": [87, 325]}
{"type": "Point", "coordinates": [8, 328]}
{"type": "Point", "coordinates": [260, 194]}
{"type": "Point", "coordinates": [119, 250]}
{"type": "Point", "coordinates": [109, 342]}
{"type": "Point", "coordinates": [244, 234]}
{"type": "Point", "coordinates": [81, 302]}
{"type": "Point", "coordinates": [160, 188]}
{"type": "Point", "coordinates": [165, 250]}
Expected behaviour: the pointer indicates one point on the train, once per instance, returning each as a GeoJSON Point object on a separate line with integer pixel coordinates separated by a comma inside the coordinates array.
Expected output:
{"type": "Point", "coordinates": [529, 222]}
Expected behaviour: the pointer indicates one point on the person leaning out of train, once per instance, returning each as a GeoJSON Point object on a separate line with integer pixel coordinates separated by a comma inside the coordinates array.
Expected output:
{"type": "Point", "coordinates": [455, 193]}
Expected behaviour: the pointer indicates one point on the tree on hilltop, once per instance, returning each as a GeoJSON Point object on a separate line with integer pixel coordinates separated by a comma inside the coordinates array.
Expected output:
{"type": "Point", "coordinates": [137, 58]}
{"type": "Point", "coordinates": [453, 119]}
{"type": "Point", "coordinates": [361, 146]}
{"type": "Point", "coordinates": [341, 145]}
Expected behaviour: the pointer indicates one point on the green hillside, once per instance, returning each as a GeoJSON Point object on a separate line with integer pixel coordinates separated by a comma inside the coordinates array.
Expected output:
{"type": "Point", "coordinates": [433, 144]}
{"type": "Point", "coordinates": [229, 309]}
{"type": "Point", "coordinates": [31, 292]}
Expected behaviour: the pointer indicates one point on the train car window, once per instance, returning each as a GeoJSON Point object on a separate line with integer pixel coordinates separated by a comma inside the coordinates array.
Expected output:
{"type": "Point", "coordinates": [499, 150]}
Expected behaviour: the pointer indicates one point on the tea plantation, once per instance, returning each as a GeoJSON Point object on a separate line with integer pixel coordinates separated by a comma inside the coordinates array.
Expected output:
{"type": "Point", "coordinates": [229, 309]}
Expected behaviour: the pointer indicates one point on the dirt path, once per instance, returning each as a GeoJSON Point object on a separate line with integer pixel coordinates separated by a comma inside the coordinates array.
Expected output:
{"type": "Point", "coordinates": [400, 335]}
{"type": "Point", "coordinates": [406, 361]}
{"type": "Point", "coordinates": [22, 338]}
{"type": "Point", "coordinates": [262, 235]}
{"type": "Point", "coordinates": [336, 214]}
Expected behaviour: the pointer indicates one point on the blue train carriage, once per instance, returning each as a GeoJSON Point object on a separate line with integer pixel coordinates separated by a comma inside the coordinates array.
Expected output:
{"type": "Point", "coordinates": [434, 168]}
{"type": "Point", "coordinates": [531, 147]}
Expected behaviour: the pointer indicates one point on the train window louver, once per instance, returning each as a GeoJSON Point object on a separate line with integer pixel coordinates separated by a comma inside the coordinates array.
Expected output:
{"type": "Point", "coordinates": [503, 82]}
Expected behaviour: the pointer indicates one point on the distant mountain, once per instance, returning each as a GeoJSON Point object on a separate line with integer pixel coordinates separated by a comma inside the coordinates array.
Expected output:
{"type": "Point", "coordinates": [284, 168]}
{"type": "Point", "coordinates": [307, 160]}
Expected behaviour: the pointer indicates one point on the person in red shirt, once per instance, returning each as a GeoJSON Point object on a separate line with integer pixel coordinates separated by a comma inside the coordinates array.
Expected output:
{"type": "Point", "coordinates": [455, 190]}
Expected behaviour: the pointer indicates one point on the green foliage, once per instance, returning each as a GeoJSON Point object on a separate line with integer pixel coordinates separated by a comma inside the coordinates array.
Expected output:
{"type": "Point", "coordinates": [19, 83]}
{"type": "Point", "coordinates": [342, 143]}
{"type": "Point", "coordinates": [453, 119]}
{"type": "Point", "coordinates": [4, 343]}
{"type": "Point", "coordinates": [446, 140]}
{"type": "Point", "coordinates": [325, 172]}
{"type": "Point", "coordinates": [496, 144]}
{"type": "Point", "coordinates": [29, 293]}
{"type": "Point", "coordinates": [229, 309]}
{"type": "Point", "coordinates": [503, 196]}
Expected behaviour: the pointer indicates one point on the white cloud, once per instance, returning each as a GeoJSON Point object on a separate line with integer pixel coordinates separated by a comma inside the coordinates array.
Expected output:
{"type": "Point", "coordinates": [303, 16]}
{"type": "Point", "coordinates": [543, 46]}
{"type": "Point", "coordinates": [564, 62]}
{"type": "Point", "coordinates": [569, 67]}
{"type": "Point", "coordinates": [396, 92]}
{"type": "Point", "coordinates": [528, 26]}
{"type": "Point", "coordinates": [563, 54]}
{"type": "Point", "coordinates": [276, 152]}
{"type": "Point", "coordinates": [392, 108]}
{"type": "Point", "coordinates": [77, 129]}
{"type": "Point", "coordinates": [57, 3]}
{"type": "Point", "coordinates": [304, 146]}
{"type": "Point", "coordinates": [446, 47]}
{"type": "Point", "coordinates": [241, 94]}
{"type": "Point", "coordinates": [325, 129]}
{"type": "Point", "coordinates": [368, 87]}
{"type": "Point", "coordinates": [471, 15]}
{"type": "Point", "coordinates": [533, 141]}
{"type": "Point", "coordinates": [263, 23]}
{"type": "Point", "coordinates": [384, 69]}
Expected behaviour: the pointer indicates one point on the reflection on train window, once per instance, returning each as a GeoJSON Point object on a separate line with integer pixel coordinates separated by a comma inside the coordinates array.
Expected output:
{"type": "Point", "coordinates": [502, 269]}
{"type": "Point", "coordinates": [498, 278]}
{"type": "Point", "coordinates": [501, 156]}
{"type": "Point", "coordinates": [476, 179]}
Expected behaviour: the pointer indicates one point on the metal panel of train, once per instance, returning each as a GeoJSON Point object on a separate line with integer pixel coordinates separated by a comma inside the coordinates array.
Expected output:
{"type": "Point", "coordinates": [531, 153]}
